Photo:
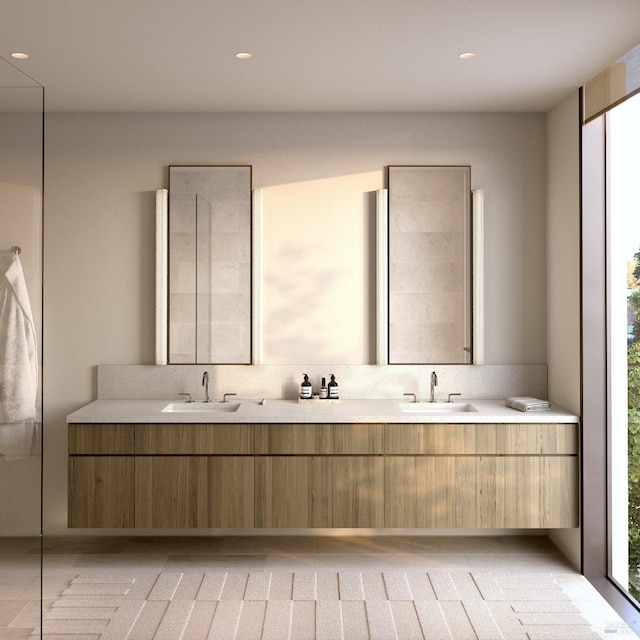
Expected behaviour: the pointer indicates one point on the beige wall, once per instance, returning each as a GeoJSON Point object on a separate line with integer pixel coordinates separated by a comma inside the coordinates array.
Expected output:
{"type": "Point", "coordinates": [563, 274]}
{"type": "Point", "coordinates": [102, 170]}
{"type": "Point", "coordinates": [320, 307]}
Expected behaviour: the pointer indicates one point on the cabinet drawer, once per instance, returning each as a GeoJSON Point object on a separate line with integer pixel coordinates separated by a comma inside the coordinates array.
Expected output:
{"type": "Point", "coordinates": [493, 492]}
{"type": "Point", "coordinates": [101, 439]}
{"type": "Point", "coordinates": [319, 491]}
{"type": "Point", "coordinates": [194, 492]}
{"type": "Point", "coordinates": [101, 491]}
{"type": "Point", "coordinates": [172, 491]}
{"type": "Point", "coordinates": [481, 439]}
{"type": "Point", "coordinates": [194, 439]}
{"type": "Point", "coordinates": [319, 439]}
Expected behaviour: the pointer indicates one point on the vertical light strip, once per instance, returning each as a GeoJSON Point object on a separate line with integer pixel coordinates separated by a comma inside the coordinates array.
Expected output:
{"type": "Point", "coordinates": [257, 233]}
{"type": "Point", "coordinates": [382, 272]}
{"type": "Point", "coordinates": [478, 276]}
{"type": "Point", "coordinates": [161, 275]}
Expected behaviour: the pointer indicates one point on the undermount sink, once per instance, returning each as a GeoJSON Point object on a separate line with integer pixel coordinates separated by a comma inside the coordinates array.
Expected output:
{"type": "Point", "coordinates": [190, 407]}
{"type": "Point", "coordinates": [436, 407]}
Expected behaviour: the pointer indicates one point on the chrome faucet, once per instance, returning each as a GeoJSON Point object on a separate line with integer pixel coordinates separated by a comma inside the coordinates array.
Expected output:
{"type": "Point", "coordinates": [205, 384]}
{"type": "Point", "coordinates": [434, 384]}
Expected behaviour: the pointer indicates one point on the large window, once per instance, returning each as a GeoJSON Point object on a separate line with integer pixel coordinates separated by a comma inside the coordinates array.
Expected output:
{"type": "Point", "coordinates": [623, 341]}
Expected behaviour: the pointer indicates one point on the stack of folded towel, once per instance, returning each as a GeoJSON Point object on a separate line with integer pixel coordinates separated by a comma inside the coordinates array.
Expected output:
{"type": "Point", "coordinates": [528, 404]}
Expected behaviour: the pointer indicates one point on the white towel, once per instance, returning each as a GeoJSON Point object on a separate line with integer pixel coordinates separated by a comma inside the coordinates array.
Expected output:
{"type": "Point", "coordinates": [18, 365]}
{"type": "Point", "coordinates": [17, 440]}
{"type": "Point", "coordinates": [528, 404]}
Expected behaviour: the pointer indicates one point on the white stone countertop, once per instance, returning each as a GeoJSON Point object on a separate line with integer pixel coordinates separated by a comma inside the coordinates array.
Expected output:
{"type": "Point", "coordinates": [292, 411]}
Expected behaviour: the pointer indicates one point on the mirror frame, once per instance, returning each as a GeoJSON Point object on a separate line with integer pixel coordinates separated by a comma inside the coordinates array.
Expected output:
{"type": "Point", "coordinates": [217, 185]}
{"type": "Point", "coordinates": [161, 308]}
{"type": "Point", "coordinates": [473, 269]}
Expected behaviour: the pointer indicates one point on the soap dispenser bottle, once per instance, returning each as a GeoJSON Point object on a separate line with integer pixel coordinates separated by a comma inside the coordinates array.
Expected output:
{"type": "Point", "coordinates": [306, 388]}
{"type": "Point", "coordinates": [333, 388]}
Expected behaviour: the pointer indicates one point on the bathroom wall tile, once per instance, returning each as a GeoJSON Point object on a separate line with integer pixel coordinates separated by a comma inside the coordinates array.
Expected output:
{"type": "Point", "coordinates": [183, 246]}
{"type": "Point", "coordinates": [427, 341]}
{"type": "Point", "coordinates": [231, 247]}
{"type": "Point", "coordinates": [229, 343]}
{"type": "Point", "coordinates": [182, 214]}
{"type": "Point", "coordinates": [424, 217]}
{"type": "Point", "coordinates": [229, 307]}
{"type": "Point", "coordinates": [423, 247]}
{"type": "Point", "coordinates": [413, 308]}
{"type": "Point", "coordinates": [182, 276]}
{"type": "Point", "coordinates": [225, 277]}
{"type": "Point", "coordinates": [183, 307]}
{"type": "Point", "coordinates": [230, 217]}
{"type": "Point", "coordinates": [182, 340]}
{"type": "Point", "coordinates": [439, 276]}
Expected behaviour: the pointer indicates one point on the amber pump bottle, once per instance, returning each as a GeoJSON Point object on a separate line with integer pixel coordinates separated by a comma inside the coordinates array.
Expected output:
{"type": "Point", "coordinates": [333, 388]}
{"type": "Point", "coordinates": [306, 389]}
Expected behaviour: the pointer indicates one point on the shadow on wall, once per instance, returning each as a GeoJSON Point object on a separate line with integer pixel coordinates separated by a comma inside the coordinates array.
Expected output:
{"type": "Point", "coordinates": [319, 271]}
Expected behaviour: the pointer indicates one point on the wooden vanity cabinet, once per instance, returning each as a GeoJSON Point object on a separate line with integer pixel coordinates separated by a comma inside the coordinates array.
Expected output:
{"type": "Point", "coordinates": [319, 475]}
{"type": "Point", "coordinates": [101, 476]}
{"type": "Point", "coordinates": [518, 475]}
{"type": "Point", "coordinates": [481, 476]}
{"type": "Point", "coordinates": [194, 476]}
{"type": "Point", "coordinates": [163, 476]}
{"type": "Point", "coordinates": [319, 439]}
{"type": "Point", "coordinates": [470, 492]}
{"type": "Point", "coordinates": [196, 491]}
{"type": "Point", "coordinates": [319, 491]}
{"type": "Point", "coordinates": [193, 439]}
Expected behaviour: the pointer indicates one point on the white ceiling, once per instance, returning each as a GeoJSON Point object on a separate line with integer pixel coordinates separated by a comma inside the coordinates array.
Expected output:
{"type": "Point", "coordinates": [313, 55]}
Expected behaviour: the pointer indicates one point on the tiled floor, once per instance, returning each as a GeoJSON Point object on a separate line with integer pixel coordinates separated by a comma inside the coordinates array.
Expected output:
{"type": "Point", "coordinates": [68, 557]}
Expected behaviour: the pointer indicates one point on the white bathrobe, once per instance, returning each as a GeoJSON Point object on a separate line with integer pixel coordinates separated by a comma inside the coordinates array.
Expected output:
{"type": "Point", "coordinates": [18, 365]}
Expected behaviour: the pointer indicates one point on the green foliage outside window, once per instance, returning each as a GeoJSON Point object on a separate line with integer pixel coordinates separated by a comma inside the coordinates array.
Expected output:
{"type": "Point", "coordinates": [634, 469]}
{"type": "Point", "coordinates": [633, 385]}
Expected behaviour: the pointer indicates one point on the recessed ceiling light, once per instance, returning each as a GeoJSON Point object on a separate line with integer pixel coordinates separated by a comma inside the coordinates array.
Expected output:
{"type": "Point", "coordinates": [467, 55]}
{"type": "Point", "coordinates": [20, 56]}
{"type": "Point", "coordinates": [244, 55]}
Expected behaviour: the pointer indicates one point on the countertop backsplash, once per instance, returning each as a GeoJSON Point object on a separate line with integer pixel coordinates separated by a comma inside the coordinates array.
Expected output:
{"type": "Point", "coordinates": [145, 382]}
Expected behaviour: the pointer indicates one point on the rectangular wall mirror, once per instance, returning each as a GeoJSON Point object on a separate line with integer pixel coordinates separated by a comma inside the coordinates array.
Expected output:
{"type": "Point", "coordinates": [209, 265]}
{"type": "Point", "coordinates": [410, 282]}
{"type": "Point", "coordinates": [430, 265]}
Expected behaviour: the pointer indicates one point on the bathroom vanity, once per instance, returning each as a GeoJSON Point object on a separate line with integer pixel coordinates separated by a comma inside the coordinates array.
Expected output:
{"type": "Point", "coordinates": [353, 464]}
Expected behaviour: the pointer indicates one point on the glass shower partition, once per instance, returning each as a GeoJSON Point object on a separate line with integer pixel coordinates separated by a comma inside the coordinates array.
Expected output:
{"type": "Point", "coordinates": [21, 229]}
